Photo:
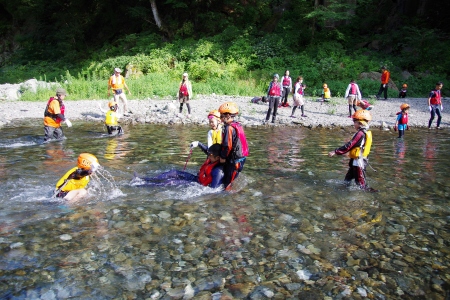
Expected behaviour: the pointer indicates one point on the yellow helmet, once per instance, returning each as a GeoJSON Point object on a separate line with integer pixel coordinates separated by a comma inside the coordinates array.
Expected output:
{"type": "Point", "coordinates": [214, 114]}
{"type": "Point", "coordinates": [87, 161]}
{"type": "Point", "coordinates": [113, 104]}
{"type": "Point", "coordinates": [229, 108]}
{"type": "Point", "coordinates": [405, 85]}
{"type": "Point", "coordinates": [404, 106]}
{"type": "Point", "coordinates": [362, 115]}
{"type": "Point", "coordinates": [325, 85]}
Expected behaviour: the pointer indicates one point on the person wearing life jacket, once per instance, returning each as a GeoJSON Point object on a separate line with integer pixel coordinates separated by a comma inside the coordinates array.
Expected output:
{"type": "Point", "coordinates": [403, 91]}
{"type": "Point", "coordinates": [299, 91]}
{"type": "Point", "coordinates": [273, 94]}
{"type": "Point", "coordinates": [116, 83]}
{"type": "Point", "coordinates": [435, 105]}
{"type": "Point", "coordinates": [401, 122]}
{"type": "Point", "coordinates": [326, 93]}
{"type": "Point", "coordinates": [286, 82]}
{"type": "Point", "coordinates": [358, 149]}
{"type": "Point", "coordinates": [210, 173]}
{"type": "Point", "coordinates": [234, 149]}
{"type": "Point", "coordinates": [214, 135]}
{"type": "Point", "coordinates": [364, 104]}
{"type": "Point", "coordinates": [54, 116]}
{"type": "Point", "coordinates": [352, 94]}
{"type": "Point", "coordinates": [72, 186]}
{"type": "Point", "coordinates": [185, 94]}
{"type": "Point", "coordinates": [384, 83]}
{"type": "Point", "coordinates": [112, 119]}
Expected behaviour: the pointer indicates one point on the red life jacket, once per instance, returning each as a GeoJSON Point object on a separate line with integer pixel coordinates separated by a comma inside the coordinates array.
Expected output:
{"type": "Point", "coordinates": [241, 149]}
{"type": "Point", "coordinates": [274, 89]}
{"type": "Point", "coordinates": [403, 118]}
{"type": "Point", "coordinates": [184, 90]}
{"type": "Point", "coordinates": [54, 116]}
{"type": "Point", "coordinates": [286, 81]}
{"type": "Point", "coordinates": [436, 98]}
{"type": "Point", "coordinates": [353, 89]}
{"type": "Point", "coordinates": [300, 89]}
{"type": "Point", "coordinates": [204, 175]}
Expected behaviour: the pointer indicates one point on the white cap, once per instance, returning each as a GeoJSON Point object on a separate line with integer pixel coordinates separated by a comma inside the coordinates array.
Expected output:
{"type": "Point", "coordinates": [185, 74]}
{"type": "Point", "coordinates": [118, 70]}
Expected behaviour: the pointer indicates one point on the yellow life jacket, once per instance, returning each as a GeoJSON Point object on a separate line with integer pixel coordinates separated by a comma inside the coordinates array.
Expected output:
{"type": "Point", "coordinates": [366, 145]}
{"type": "Point", "coordinates": [72, 184]}
{"type": "Point", "coordinates": [326, 93]}
{"type": "Point", "coordinates": [111, 118]}
{"type": "Point", "coordinates": [217, 135]}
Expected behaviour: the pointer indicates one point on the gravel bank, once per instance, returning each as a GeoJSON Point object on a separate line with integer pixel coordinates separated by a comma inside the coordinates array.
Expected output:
{"type": "Point", "coordinates": [165, 111]}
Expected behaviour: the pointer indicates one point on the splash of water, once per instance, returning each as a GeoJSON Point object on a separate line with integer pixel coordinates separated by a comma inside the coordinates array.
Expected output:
{"type": "Point", "coordinates": [104, 184]}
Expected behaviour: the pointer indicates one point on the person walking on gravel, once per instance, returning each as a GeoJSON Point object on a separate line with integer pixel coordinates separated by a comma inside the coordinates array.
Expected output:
{"type": "Point", "coordinates": [116, 83]}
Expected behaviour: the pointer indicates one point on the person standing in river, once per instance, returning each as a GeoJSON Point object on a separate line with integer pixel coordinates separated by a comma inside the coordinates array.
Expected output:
{"type": "Point", "coordinates": [435, 105]}
{"type": "Point", "coordinates": [54, 116]}
{"type": "Point", "coordinates": [116, 83]}
{"type": "Point", "coordinates": [358, 149]}
{"type": "Point", "coordinates": [234, 151]}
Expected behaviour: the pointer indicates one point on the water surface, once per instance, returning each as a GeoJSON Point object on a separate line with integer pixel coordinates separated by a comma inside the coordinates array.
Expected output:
{"type": "Point", "coordinates": [289, 229]}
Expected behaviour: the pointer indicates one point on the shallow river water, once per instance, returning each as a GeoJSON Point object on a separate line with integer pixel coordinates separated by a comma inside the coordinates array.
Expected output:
{"type": "Point", "coordinates": [289, 229]}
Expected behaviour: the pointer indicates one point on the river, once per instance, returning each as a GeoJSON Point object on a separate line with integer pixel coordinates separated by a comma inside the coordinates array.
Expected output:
{"type": "Point", "coordinates": [289, 229]}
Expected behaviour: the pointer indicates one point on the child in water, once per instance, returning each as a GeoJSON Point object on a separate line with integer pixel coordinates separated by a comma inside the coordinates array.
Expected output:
{"type": "Point", "coordinates": [112, 118]}
{"type": "Point", "coordinates": [72, 186]}
{"type": "Point", "coordinates": [214, 135]}
{"type": "Point", "coordinates": [401, 123]}
{"type": "Point", "coordinates": [210, 173]}
{"type": "Point", "coordinates": [358, 149]}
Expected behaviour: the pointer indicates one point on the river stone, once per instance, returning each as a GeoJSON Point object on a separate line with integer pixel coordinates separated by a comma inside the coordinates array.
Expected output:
{"type": "Point", "coordinates": [65, 237]}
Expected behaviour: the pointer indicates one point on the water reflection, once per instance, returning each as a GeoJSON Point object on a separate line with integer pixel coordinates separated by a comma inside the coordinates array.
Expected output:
{"type": "Point", "coordinates": [291, 229]}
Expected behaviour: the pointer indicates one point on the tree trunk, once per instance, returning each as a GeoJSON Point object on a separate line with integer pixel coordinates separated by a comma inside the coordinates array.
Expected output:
{"type": "Point", "coordinates": [158, 21]}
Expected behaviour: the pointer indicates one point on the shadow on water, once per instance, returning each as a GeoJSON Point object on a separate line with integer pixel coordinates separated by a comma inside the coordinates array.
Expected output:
{"type": "Point", "coordinates": [288, 229]}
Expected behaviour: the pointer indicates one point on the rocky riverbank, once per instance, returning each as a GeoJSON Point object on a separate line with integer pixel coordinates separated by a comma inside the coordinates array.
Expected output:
{"type": "Point", "coordinates": [165, 111]}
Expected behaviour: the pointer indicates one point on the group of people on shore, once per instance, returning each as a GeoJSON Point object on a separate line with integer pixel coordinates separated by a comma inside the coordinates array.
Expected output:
{"type": "Point", "coordinates": [226, 147]}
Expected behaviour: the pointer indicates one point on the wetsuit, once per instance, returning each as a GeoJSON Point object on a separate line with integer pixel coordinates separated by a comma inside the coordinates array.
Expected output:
{"type": "Point", "coordinates": [361, 141]}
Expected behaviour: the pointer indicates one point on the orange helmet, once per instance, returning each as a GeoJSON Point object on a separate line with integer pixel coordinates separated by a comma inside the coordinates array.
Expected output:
{"type": "Point", "coordinates": [229, 108]}
{"type": "Point", "coordinates": [325, 85]}
{"type": "Point", "coordinates": [87, 161]}
{"type": "Point", "coordinates": [404, 106]}
{"type": "Point", "coordinates": [405, 85]}
{"type": "Point", "coordinates": [362, 115]}
{"type": "Point", "coordinates": [214, 114]}
{"type": "Point", "coordinates": [113, 104]}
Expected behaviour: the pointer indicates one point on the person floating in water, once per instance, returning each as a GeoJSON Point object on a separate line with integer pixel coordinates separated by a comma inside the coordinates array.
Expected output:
{"type": "Point", "coordinates": [112, 118]}
{"type": "Point", "coordinates": [210, 173]}
{"type": "Point", "coordinates": [72, 186]}
{"type": "Point", "coordinates": [401, 122]}
{"type": "Point", "coordinates": [54, 116]}
{"type": "Point", "coordinates": [234, 143]}
{"type": "Point", "coordinates": [358, 149]}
